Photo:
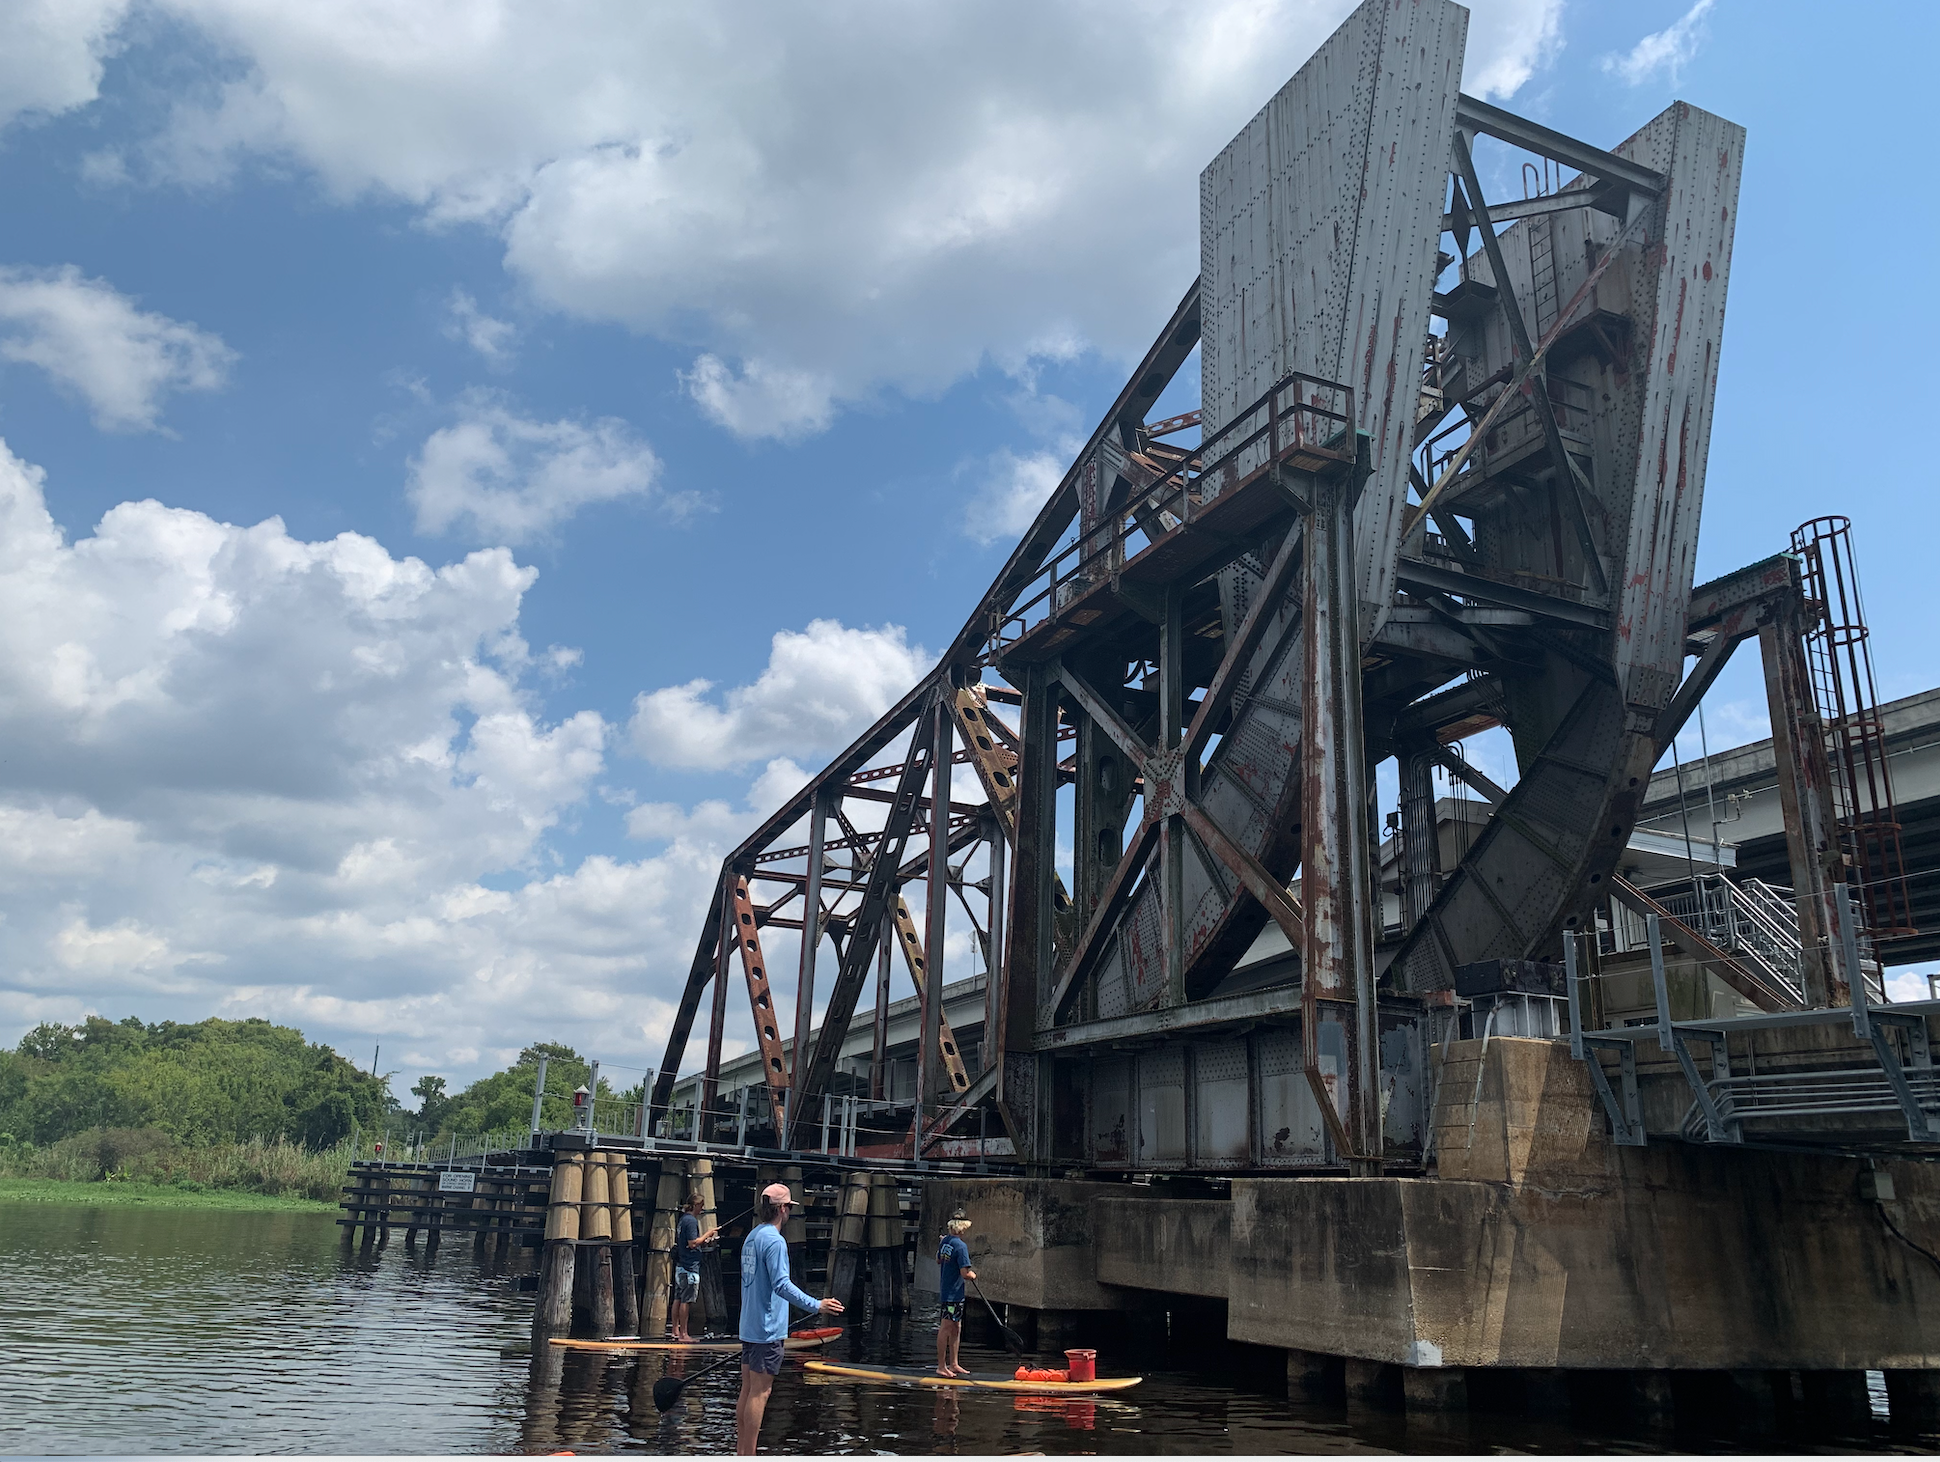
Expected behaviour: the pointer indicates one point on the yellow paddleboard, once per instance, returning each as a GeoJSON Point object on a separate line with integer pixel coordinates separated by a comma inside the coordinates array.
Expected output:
{"type": "Point", "coordinates": [908, 1374]}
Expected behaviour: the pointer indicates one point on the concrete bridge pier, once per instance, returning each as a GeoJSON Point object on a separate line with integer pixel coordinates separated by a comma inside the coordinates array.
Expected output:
{"type": "Point", "coordinates": [1538, 1260]}
{"type": "Point", "coordinates": [1913, 1399]}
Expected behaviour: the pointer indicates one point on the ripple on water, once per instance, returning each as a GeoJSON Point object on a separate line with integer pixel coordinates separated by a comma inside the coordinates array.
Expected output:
{"type": "Point", "coordinates": [130, 1330]}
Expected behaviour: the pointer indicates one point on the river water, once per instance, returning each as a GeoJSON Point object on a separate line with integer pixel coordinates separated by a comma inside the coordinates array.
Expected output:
{"type": "Point", "coordinates": [148, 1330]}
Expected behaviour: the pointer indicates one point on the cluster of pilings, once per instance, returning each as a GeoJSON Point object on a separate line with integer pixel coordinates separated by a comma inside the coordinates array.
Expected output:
{"type": "Point", "coordinates": [847, 1237]}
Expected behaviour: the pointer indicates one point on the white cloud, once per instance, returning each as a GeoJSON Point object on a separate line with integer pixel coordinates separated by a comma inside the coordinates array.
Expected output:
{"type": "Point", "coordinates": [1665, 52]}
{"type": "Point", "coordinates": [469, 325]}
{"type": "Point", "coordinates": [761, 400]}
{"type": "Point", "coordinates": [1012, 491]}
{"type": "Point", "coordinates": [499, 477]}
{"type": "Point", "coordinates": [821, 688]}
{"type": "Point", "coordinates": [714, 827]}
{"type": "Point", "coordinates": [251, 775]}
{"type": "Point", "coordinates": [820, 212]}
{"type": "Point", "coordinates": [51, 53]}
{"type": "Point", "coordinates": [1508, 43]}
{"type": "Point", "coordinates": [95, 343]}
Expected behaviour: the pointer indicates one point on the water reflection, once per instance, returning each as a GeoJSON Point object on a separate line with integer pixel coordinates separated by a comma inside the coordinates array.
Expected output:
{"type": "Point", "coordinates": [131, 1330]}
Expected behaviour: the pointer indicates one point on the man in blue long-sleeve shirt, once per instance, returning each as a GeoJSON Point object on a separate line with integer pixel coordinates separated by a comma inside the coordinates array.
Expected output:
{"type": "Point", "coordinates": [766, 1293]}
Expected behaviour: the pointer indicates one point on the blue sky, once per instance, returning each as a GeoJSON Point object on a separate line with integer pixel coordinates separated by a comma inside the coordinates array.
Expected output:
{"type": "Point", "coordinates": [619, 347]}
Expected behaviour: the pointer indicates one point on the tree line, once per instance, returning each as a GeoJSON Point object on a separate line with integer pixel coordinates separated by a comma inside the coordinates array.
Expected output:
{"type": "Point", "coordinates": [226, 1081]}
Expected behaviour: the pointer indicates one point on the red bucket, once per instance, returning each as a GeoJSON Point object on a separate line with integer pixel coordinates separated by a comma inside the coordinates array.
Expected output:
{"type": "Point", "coordinates": [1083, 1364]}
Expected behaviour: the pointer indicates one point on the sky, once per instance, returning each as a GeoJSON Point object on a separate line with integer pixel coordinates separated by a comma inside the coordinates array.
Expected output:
{"type": "Point", "coordinates": [465, 463]}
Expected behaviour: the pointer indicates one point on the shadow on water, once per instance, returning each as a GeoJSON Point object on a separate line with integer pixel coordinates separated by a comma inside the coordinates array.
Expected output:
{"type": "Point", "coordinates": [155, 1331]}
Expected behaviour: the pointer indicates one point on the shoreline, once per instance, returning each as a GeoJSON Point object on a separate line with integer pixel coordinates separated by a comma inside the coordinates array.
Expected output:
{"type": "Point", "coordinates": [132, 1194]}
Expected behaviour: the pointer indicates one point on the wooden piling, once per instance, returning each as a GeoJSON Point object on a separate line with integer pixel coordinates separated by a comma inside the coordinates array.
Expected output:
{"type": "Point", "coordinates": [712, 1300]}
{"type": "Point", "coordinates": [795, 1231]}
{"type": "Point", "coordinates": [596, 1223]}
{"type": "Point", "coordinates": [553, 1313]}
{"type": "Point", "coordinates": [434, 1202]}
{"type": "Point", "coordinates": [482, 1205]}
{"type": "Point", "coordinates": [886, 1285]}
{"type": "Point", "coordinates": [412, 1186]}
{"type": "Point", "coordinates": [382, 1230]}
{"type": "Point", "coordinates": [848, 1262]}
{"type": "Point", "coordinates": [626, 1289]}
{"type": "Point", "coordinates": [668, 1193]}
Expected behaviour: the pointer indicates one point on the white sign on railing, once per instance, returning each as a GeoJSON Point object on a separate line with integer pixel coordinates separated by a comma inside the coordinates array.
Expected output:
{"type": "Point", "coordinates": [456, 1182]}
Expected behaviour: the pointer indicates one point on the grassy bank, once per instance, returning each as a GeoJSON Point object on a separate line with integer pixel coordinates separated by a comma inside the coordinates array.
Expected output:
{"type": "Point", "coordinates": [99, 1162]}
{"type": "Point", "coordinates": [151, 1195]}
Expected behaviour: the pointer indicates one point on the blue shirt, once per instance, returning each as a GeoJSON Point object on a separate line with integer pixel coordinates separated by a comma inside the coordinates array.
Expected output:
{"type": "Point", "coordinates": [685, 1233]}
{"type": "Point", "coordinates": [952, 1258]}
{"type": "Point", "coordinates": [766, 1291]}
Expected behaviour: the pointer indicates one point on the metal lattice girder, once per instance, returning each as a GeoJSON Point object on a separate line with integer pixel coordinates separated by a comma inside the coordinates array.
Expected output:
{"type": "Point", "coordinates": [995, 762]}
{"type": "Point", "coordinates": [883, 871]}
{"type": "Point", "coordinates": [761, 1000]}
{"type": "Point", "coordinates": [911, 944]}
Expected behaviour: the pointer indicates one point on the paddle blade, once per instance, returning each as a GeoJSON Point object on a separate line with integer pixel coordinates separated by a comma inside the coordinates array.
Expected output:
{"type": "Point", "coordinates": [666, 1392]}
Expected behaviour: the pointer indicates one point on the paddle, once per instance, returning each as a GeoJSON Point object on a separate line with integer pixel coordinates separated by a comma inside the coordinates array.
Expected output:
{"type": "Point", "coordinates": [666, 1390]}
{"type": "Point", "coordinates": [1010, 1338]}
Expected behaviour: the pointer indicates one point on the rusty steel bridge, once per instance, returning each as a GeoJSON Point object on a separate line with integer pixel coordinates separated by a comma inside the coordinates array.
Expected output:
{"type": "Point", "coordinates": [1447, 475]}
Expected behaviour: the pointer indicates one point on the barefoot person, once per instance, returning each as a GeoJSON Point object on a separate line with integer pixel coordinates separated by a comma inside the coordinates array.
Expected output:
{"type": "Point", "coordinates": [953, 1267]}
{"type": "Point", "coordinates": [689, 1241]}
{"type": "Point", "coordinates": [766, 1293]}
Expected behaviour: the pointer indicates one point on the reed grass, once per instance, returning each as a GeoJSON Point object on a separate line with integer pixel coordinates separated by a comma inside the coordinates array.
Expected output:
{"type": "Point", "coordinates": [105, 1157]}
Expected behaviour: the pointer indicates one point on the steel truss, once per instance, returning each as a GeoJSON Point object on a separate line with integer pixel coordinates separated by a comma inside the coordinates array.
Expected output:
{"type": "Point", "coordinates": [1393, 533]}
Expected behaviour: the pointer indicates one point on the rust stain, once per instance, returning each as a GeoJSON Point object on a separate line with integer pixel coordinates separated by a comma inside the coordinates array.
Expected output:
{"type": "Point", "coordinates": [1677, 329]}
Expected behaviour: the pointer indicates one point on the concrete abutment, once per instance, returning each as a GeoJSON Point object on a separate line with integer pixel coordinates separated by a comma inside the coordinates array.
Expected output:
{"type": "Point", "coordinates": [1538, 1250]}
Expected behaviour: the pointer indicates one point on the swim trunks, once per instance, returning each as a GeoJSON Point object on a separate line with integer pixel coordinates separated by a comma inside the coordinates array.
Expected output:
{"type": "Point", "coordinates": [762, 1355]}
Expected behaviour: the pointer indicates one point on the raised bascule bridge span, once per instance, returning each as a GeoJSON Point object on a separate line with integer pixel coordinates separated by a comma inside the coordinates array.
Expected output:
{"type": "Point", "coordinates": [1425, 1115]}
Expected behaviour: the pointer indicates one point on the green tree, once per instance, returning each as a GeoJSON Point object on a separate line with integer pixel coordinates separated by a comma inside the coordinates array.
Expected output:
{"type": "Point", "coordinates": [213, 1081]}
{"type": "Point", "coordinates": [502, 1102]}
{"type": "Point", "coordinates": [432, 1102]}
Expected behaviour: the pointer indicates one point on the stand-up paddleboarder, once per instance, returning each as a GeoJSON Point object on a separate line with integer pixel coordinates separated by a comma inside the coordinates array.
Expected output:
{"type": "Point", "coordinates": [766, 1293]}
{"type": "Point", "coordinates": [953, 1267]}
{"type": "Point", "coordinates": [689, 1241]}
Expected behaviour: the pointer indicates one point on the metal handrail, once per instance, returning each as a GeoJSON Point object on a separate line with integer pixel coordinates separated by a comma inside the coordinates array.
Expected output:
{"type": "Point", "coordinates": [1174, 496]}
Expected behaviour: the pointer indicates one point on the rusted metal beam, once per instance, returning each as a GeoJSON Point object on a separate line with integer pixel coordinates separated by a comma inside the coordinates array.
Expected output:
{"type": "Point", "coordinates": [987, 751]}
{"type": "Point", "coordinates": [1268, 601]}
{"type": "Point", "coordinates": [879, 1037]}
{"type": "Point", "coordinates": [1340, 1042]}
{"type": "Point", "coordinates": [1199, 1015]}
{"type": "Point", "coordinates": [698, 974]}
{"type": "Point", "coordinates": [930, 993]}
{"type": "Point", "coordinates": [761, 1000]}
{"type": "Point", "coordinates": [917, 963]}
{"type": "Point", "coordinates": [1805, 801]}
{"type": "Point", "coordinates": [1095, 706]}
{"type": "Point", "coordinates": [1451, 759]}
{"type": "Point", "coordinates": [1420, 576]}
{"type": "Point", "coordinates": [1279, 903]}
{"type": "Point", "coordinates": [812, 916]}
{"type": "Point", "coordinates": [711, 1077]}
{"type": "Point", "coordinates": [873, 911]}
{"type": "Point", "coordinates": [1111, 903]}
{"type": "Point", "coordinates": [1568, 481]}
{"type": "Point", "coordinates": [1492, 121]}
